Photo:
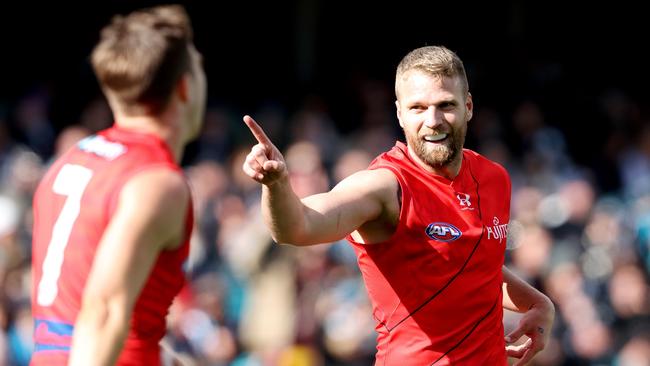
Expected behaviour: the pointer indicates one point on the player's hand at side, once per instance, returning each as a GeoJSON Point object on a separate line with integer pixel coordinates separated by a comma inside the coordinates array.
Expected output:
{"type": "Point", "coordinates": [265, 164]}
{"type": "Point", "coordinates": [536, 325]}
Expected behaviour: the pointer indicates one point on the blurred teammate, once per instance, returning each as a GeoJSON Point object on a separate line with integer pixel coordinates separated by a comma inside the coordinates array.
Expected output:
{"type": "Point", "coordinates": [428, 221]}
{"type": "Point", "coordinates": [113, 215]}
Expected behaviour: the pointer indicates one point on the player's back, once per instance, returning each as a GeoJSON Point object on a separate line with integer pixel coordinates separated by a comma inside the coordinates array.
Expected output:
{"type": "Point", "coordinates": [72, 207]}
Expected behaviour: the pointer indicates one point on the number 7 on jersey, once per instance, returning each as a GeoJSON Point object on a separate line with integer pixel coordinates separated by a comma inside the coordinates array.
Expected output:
{"type": "Point", "coordinates": [71, 181]}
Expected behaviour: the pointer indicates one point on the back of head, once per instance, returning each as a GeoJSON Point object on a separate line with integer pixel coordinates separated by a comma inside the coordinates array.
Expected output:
{"type": "Point", "coordinates": [436, 61]}
{"type": "Point", "coordinates": [140, 57]}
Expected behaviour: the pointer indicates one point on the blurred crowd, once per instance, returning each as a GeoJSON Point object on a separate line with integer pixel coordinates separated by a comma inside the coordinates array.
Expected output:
{"type": "Point", "coordinates": [579, 232]}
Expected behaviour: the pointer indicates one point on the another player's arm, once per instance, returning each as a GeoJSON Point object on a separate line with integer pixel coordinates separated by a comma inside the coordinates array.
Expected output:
{"type": "Point", "coordinates": [320, 218]}
{"type": "Point", "coordinates": [149, 218]}
{"type": "Point", "coordinates": [537, 321]}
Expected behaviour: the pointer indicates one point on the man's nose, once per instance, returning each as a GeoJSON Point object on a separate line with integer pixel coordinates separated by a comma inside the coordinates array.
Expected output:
{"type": "Point", "coordinates": [432, 118]}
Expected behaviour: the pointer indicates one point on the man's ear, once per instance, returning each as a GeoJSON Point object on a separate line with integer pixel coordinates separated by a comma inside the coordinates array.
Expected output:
{"type": "Point", "coordinates": [183, 88]}
{"type": "Point", "coordinates": [469, 104]}
{"type": "Point", "coordinates": [397, 111]}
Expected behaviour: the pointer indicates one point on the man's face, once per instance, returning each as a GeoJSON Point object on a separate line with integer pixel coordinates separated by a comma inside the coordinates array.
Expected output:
{"type": "Point", "coordinates": [433, 111]}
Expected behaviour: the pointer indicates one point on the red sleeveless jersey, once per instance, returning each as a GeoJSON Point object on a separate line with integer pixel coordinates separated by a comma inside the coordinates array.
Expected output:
{"type": "Point", "coordinates": [435, 285]}
{"type": "Point", "coordinates": [72, 206]}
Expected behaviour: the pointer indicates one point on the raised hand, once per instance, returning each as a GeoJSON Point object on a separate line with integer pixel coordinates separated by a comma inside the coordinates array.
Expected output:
{"type": "Point", "coordinates": [265, 164]}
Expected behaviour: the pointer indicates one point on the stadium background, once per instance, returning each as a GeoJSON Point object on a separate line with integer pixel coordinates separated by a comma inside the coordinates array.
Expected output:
{"type": "Point", "coordinates": [560, 93]}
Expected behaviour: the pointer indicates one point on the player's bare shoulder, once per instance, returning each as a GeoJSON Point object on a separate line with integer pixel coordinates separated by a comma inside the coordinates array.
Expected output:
{"type": "Point", "coordinates": [162, 183]}
{"type": "Point", "coordinates": [377, 182]}
{"type": "Point", "coordinates": [390, 192]}
{"type": "Point", "coordinates": [159, 196]}
{"type": "Point", "coordinates": [380, 185]}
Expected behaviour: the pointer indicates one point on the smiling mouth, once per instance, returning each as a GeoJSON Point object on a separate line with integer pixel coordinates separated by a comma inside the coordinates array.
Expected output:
{"type": "Point", "coordinates": [435, 138]}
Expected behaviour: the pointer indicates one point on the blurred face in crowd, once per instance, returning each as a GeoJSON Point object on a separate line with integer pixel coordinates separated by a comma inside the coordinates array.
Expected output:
{"type": "Point", "coordinates": [433, 111]}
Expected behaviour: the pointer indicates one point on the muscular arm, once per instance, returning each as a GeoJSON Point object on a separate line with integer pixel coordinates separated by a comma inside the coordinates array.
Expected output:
{"type": "Point", "coordinates": [149, 218]}
{"type": "Point", "coordinates": [361, 198]}
{"type": "Point", "coordinates": [519, 296]}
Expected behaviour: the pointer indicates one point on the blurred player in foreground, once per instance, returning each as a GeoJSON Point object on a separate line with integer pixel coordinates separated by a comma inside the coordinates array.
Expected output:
{"type": "Point", "coordinates": [113, 215]}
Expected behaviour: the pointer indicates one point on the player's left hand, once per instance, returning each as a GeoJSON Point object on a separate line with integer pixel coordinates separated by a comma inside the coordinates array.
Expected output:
{"type": "Point", "coordinates": [536, 325]}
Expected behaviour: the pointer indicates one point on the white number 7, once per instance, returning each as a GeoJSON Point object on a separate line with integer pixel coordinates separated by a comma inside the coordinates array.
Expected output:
{"type": "Point", "coordinates": [70, 182]}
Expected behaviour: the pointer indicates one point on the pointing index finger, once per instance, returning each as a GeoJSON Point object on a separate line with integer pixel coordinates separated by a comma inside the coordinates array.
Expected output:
{"type": "Point", "coordinates": [257, 131]}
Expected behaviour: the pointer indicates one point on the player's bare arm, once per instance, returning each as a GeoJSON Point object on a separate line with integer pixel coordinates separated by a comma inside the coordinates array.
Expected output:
{"type": "Point", "coordinates": [537, 321]}
{"type": "Point", "coordinates": [360, 201]}
{"type": "Point", "coordinates": [149, 218]}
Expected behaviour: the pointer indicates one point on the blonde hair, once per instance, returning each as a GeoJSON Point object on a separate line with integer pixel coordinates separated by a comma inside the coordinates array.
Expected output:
{"type": "Point", "coordinates": [436, 61]}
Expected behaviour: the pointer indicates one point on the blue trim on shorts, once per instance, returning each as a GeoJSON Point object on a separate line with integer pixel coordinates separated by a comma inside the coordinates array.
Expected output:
{"type": "Point", "coordinates": [55, 327]}
{"type": "Point", "coordinates": [40, 347]}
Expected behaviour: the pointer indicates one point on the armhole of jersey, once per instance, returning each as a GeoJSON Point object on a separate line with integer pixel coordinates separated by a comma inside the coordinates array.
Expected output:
{"type": "Point", "coordinates": [506, 175]}
{"type": "Point", "coordinates": [405, 204]}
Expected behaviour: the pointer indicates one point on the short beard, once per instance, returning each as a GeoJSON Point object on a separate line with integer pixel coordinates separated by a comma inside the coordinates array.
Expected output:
{"type": "Point", "coordinates": [441, 156]}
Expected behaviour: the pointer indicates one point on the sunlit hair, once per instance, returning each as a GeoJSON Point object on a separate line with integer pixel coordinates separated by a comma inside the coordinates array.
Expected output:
{"type": "Point", "coordinates": [436, 61]}
{"type": "Point", "coordinates": [141, 56]}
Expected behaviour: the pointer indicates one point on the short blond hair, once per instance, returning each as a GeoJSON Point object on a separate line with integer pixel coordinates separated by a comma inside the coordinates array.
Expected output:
{"type": "Point", "coordinates": [437, 61]}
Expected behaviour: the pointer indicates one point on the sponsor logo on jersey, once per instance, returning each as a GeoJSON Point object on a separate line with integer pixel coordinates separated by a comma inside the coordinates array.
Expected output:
{"type": "Point", "coordinates": [443, 231]}
{"type": "Point", "coordinates": [497, 231]}
{"type": "Point", "coordinates": [463, 201]}
{"type": "Point", "coordinates": [99, 146]}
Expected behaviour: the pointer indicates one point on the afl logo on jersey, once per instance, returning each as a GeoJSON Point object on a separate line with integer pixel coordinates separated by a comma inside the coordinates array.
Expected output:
{"type": "Point", "coordinates": [443, 231]}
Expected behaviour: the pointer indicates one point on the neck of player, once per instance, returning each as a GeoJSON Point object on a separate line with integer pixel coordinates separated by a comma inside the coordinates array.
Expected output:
{"type": "Point", "coordinates": [164, 126]}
